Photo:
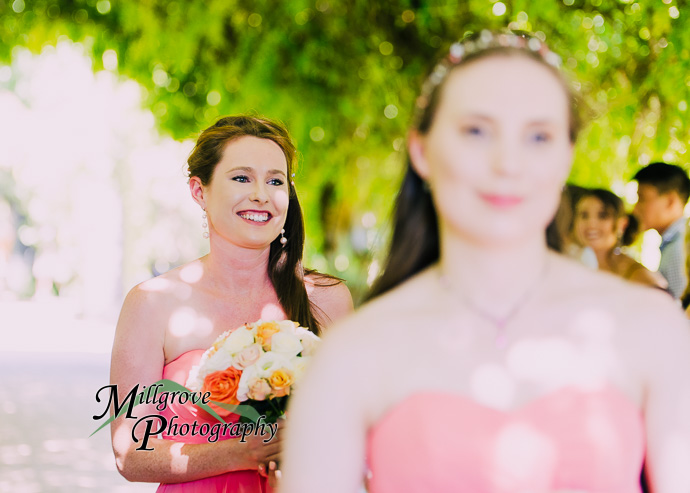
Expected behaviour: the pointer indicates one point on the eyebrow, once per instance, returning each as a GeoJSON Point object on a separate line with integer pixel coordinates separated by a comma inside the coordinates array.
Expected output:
{"type": "Point", "coordinates": [248, 169]}
{"type": "Point", "coordinates": [486, 118]}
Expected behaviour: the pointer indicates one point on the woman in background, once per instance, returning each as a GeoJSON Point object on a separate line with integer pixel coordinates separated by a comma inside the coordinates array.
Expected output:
{"type": "Point", "coordinates": [484, 362]}
{"type": "Point", "coordinates": [602, 224]}
{"type": "Point", "coordinates": [240, 175]}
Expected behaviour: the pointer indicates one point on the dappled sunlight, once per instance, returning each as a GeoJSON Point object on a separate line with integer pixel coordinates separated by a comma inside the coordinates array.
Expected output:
{"type": "Point", "coordinates": [122, 439]}
{"type": "Point", "coordinates": [281, 199]}
{"type": "Point", "coordinates": [523, 455]}
{"type": "Point", "coordinates": [179, 461]}
{"type": "Point", "coordinates": [271, 311]}
{"type": "Point", "coordinates": [157, 284]}
{"type": "Point", "coordinates": [192, 273]}
{"type": "Point", "coordinates": [183, 322]}
{"type": "Point", "coordinates": [599, 430]}
{"type": "Point", "coordinates": [548, 362]}
{"type": "Point", "coordinates": [553, 361]}
{"type": "Point", "coordinates": [594, 325]}
{"type": "Point", "coordinates": [491, 384]}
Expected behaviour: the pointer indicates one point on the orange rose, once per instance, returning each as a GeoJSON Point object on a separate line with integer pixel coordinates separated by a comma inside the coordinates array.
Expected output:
{"type": "Point", "coordinates": [280, 382]}
{"type": "Point", "coordinates": [223, 388]}
{"type": "Point", "coordinates": [264, 333]}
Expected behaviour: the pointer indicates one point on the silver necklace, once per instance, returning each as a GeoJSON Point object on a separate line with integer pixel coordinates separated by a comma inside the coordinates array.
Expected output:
{"type": "Point", "coordinates": [500, 323]}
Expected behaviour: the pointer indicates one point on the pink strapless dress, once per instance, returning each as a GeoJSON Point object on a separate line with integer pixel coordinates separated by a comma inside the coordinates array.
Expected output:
{"type": "Point", "coordinates": [232, 482]}
{"type": "Point", "coordinates": [571, 439]}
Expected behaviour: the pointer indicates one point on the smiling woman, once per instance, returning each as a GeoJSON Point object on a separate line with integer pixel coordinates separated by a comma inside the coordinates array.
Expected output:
{"type": "Point", "coordinates": [239, 174]}
{"type": "Point", "coordinates": [602, 224]}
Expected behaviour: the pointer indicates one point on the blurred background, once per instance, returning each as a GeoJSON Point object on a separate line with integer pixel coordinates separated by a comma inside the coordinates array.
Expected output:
{"type": "Point", "coordinates": [101, 100]}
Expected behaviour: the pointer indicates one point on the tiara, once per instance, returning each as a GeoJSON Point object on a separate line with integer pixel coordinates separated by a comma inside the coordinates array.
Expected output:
{"type": "Point", "coordinates": [472, 44]}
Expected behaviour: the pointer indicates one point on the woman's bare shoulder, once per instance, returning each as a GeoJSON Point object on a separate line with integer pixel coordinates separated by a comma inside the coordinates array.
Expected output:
{"type": "Point", "coordinates": [330, 295]}
{"type": "Point", "coordinates": [402, 306]}
{"type": "Point", "coordinates": [635, 304]}
{"type": "Point", "coordinates": [157, 295]}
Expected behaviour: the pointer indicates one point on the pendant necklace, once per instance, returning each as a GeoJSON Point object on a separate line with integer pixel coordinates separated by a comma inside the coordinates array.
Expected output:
{"type": "Point", "coordinates": [499, 323]}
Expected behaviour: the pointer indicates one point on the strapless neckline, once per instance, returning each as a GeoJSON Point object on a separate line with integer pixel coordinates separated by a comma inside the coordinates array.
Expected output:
{"type": "Point", "coordinates": [589, 439]}
{"type": "Point", "coordinates": [608, 389]}
{"type": "Point", "coordinates": [184, 354]}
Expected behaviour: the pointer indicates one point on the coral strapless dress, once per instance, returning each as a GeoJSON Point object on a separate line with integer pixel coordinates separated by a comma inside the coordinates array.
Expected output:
{"type": "Point", "coordinates": [571, 440]}
{"type": "Point", "coordinates": [232, 482]}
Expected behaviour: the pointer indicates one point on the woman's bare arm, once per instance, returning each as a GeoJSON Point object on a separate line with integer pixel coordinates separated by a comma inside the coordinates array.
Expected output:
{"type": "Point", "coordinates": [667, 403]}
{"type": "Point", "coordinates": [138, 359]}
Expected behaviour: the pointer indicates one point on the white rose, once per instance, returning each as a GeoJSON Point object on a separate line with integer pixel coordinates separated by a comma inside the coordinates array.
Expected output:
{"type": "Point", "coordinates": [193, 381]}
{"type": "Point", "coordinates": [288, 326]}
{"type": "Point", "coordinates": [286, 343]}
{"type": "Point", "coordinates": [243, 386]}
{"type": "Point", "coordinates": [300, 366]}
{"type": "Point", "coordinates": [238, 339]}
{"type": "Point", "coordinates": [309, 340]}
{"type": "Point", "coordinates": [220, 360]}
{"type": "Point", "coordinates": [270, 362]}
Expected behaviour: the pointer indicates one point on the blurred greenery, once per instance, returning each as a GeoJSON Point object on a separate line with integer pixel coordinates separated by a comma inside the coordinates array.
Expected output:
{"type": "Point", "coordinates": [343, 75]}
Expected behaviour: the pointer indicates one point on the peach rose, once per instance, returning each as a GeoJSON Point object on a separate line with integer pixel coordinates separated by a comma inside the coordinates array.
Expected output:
{"type": "Point", "coordinates": [223, 388]}
{"type": "Point", "coordinates": [280, 382]}
{"type": "Point", "coordinates": [259, 389]}
{"type": "Point", "coordinates": [247, 356]}
{"type": "Point", "coordinates": [264, 333]}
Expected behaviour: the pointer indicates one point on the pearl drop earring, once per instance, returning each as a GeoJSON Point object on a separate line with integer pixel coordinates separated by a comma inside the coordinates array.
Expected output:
{"type": "Point", "coordinates": [204, 224]}
{"type": "Point", "coordinates": [283, 240]}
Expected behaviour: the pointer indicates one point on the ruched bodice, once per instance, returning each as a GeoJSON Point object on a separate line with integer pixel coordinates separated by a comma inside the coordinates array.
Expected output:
{"type": "Point", "coordinates": [571, 439]}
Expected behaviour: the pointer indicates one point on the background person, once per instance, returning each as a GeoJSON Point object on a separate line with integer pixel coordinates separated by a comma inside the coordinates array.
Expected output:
{"type": "Point", "coordinates": [602, 224]}
{"type": "Point", "coordinates": [662, 193]}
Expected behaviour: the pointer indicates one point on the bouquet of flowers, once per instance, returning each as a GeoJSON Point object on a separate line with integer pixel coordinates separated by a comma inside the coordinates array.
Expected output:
{"type": "Point", "coordinates": [257, 364]}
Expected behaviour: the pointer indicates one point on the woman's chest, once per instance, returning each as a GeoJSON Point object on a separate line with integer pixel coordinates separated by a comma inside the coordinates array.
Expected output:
{"type": "Point", "coordinates": [198, 323]}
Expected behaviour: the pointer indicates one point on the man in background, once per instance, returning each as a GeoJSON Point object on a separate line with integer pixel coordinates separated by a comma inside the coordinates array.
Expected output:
{"type": "Point", "coordinates": [662, 192]}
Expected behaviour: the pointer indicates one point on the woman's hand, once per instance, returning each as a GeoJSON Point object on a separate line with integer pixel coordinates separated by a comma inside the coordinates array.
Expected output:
{"type": "Point", "coordinates": [273, 473]}
{"type": "Point", "coordinates": [257, 453]}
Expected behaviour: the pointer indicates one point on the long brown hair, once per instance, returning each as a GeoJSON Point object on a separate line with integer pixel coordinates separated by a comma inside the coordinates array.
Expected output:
{"type": "Point", "coordinates": [415, 239]}
{"type": "Point", "coordinates": [285, 269]}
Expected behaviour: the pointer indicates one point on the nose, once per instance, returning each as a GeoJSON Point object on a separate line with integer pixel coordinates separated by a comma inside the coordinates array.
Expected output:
{"type": "Point", "coordinates": [506, 159]}
{"type": "Point", "coordinates": [259, 194]}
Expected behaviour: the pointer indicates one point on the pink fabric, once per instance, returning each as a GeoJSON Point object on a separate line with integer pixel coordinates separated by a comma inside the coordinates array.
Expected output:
{"type": "Point", "coordinates": [571, 439]}
{"type": "Point", "coordinates": [232, 482]}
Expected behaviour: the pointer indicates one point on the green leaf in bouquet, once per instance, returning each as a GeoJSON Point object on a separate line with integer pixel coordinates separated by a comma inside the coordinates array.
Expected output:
{"type": "Point", "coordinates": [243, 410]}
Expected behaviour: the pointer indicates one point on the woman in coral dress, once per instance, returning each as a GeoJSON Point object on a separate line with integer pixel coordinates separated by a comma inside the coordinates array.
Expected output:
{"type": "Point", "coordinates": [241, 176]}
{"type": "Point", "coordinates": [485, 363]}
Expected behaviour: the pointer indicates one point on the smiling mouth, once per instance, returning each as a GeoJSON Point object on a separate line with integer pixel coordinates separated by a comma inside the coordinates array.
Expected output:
{"type": "Point", "coordinates": [255, 217]}
{"type": "Point", "coordinates": [501, 200]}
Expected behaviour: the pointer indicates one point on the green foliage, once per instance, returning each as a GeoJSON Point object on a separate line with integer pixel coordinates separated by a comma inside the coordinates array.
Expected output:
{"type": "Point", "coordinates": [343, 75]}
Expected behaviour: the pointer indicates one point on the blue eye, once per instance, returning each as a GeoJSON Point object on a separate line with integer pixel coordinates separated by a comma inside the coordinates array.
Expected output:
{"type": "Point", "coordinates": [275, 181]}
{"type": "Point", "coordinates": [474, 131]}
{"type": "Point", "coordinates": [241, 179]}
{"type": "Point", "coordinates": [541, 137]}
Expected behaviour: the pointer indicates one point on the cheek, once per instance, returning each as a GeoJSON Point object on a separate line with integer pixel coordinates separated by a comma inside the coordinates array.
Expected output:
{"type": "Point", "coordinates": [281, 199]}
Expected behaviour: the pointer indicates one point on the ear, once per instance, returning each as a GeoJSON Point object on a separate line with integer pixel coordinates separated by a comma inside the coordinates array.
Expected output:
{"type": "Point", "coordinates": [621, 225]}
{"type": "Point", "coordinates": [415, 146]}
{"type": "Point", "coordinates": [197, 190]}
{"type": "Point", "coordinates": [674, 200]}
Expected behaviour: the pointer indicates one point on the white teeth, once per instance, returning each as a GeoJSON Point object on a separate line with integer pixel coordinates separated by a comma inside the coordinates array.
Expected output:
{"type": "Point", "coordinates": [259, 218]}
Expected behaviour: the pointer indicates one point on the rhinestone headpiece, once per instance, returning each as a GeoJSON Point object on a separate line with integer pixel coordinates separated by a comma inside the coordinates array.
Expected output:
{"type": "Point", "coordinates": [474, 44]}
